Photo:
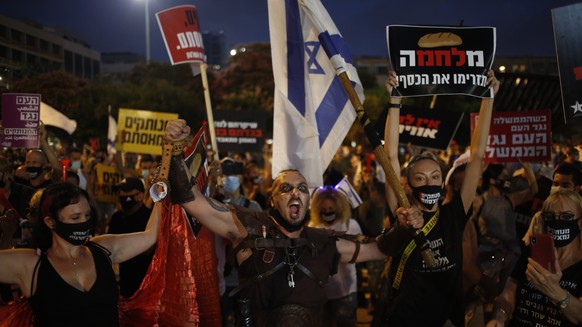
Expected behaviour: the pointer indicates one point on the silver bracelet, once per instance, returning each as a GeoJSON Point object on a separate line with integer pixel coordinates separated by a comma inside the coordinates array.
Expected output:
{"type": "Point", "coordinates": [564, 303]}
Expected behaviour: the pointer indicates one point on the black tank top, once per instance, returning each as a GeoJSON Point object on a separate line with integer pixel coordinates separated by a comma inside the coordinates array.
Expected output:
{"type": "Point", "coordinates": [56, 303]}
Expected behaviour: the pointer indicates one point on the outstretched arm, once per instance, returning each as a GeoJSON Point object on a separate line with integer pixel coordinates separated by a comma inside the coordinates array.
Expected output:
{"type": "Point", "coordinates": [126, 246]}
{"type": "Point", "coordinates": [214, 215]}
{"type": "Point", "coordinates": [391, 242]}
{"type": "Point", "coordinates": [478, 145]}
{"type": "Point", "coordinates": [49, 152]}
{"type": "Point", "coordinates": [392, 135]}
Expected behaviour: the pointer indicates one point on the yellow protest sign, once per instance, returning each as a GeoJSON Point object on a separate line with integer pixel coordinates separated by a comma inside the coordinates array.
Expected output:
{"type": "Point", "coordinates": [141, 131]}
{"type": "Point", "coordinates": [107, 177]}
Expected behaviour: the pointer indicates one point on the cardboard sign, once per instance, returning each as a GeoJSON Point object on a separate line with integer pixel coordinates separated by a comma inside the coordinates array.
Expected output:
{"type": "Point", "coordinates": [107, 177]}
{"type": "Point", "coordinates": [441, 60]}
{"type": "Point", "coordinates": [567, 26]}
{"type": "Point", "coordinates": [20, 119]}
{"type": "Point", "coordinates": [525, 135]}
{"type": "Point", "coordinates": [181, 31]}
{"type": "Point", "coordinates": [239, 131]}
{"type": "Point", "coordinates": [141, 131]}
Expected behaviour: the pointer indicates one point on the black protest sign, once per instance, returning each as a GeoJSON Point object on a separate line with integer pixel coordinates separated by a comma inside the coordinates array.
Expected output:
{"type": "Point", "coordinates": [239, 130]}
{"type": "Point", "coordinates": [441, 60]}
{"type": "Point", "coordinates": [567, 26]}
{"type": "Point", "coordinates": [426, 128]}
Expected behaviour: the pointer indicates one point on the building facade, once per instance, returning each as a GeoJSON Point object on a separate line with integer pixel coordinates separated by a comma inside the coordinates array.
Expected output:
{"type": "Point", "coordinates": [27, 47]}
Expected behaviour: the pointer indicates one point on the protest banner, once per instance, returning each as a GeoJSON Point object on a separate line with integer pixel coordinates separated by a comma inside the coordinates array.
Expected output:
{"type": "Point", "coordinates": [180, 28]}
{"type": "Point", "coordinates": [196, 160]}
{"type": "Point", "coordinates": [567, 26]}
{"type": "Point", "coordinates": [525, 135]}
{"type": "Point", "coordinates": [141, 131]}
{"type": "Point", "coordinates": [240, 131]}
{"type": "Point", "coordinates": [426, 128]}
{"type": "Point", "coordinates": [433, 60]}
{"type": "Point", "coordinates": [181, 31]}
{"type": "Point", "coordinates": [20, 119]}
{"type": "Point", "coordinates": [107, 177]}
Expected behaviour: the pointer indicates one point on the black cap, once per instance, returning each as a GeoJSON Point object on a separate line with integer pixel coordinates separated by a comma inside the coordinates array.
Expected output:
{"type": "Point", "coordinates": [129, 184]}
{"type": "Point", "coordinates": [231, 167]}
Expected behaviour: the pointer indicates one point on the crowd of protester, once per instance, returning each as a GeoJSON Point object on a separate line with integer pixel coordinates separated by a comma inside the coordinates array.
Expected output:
{"type": "Point", "coordinates": [495, 242]}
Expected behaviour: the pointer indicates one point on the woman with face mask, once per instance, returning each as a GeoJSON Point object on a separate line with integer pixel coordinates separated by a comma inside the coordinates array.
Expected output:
{"type": "Point", "coordinates": [71, 264]}
{"type": "Point", "coordinates": [427, 290]}
{"type": "Point", "coordinates": [331, 210]}
{"type": "Point", "coordinates": [535, 295]}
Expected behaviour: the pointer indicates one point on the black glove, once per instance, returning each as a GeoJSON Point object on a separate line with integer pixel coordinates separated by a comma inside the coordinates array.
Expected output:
{"type": "Point", "coordinates": [181, 181]}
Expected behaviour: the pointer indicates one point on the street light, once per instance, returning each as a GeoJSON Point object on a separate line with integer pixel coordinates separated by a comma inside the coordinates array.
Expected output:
{"type": "Point", "coordinates": [147, 31]}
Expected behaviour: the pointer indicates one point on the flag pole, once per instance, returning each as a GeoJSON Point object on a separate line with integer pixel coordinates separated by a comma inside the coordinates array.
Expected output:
{"type": "Point", "coordinates": [419, 237]}
{"type": "Point", "coordinates": [369, 129]}
{"type": "Point", "coordinates": [209, 114]}
{"type": "Point", "coordinates": [374, 138]}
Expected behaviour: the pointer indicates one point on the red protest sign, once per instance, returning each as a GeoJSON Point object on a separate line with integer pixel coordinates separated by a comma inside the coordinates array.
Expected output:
{"type": "Point", "coordinates": [181, 31]}
{"type": "Point", "coordinates": [525, 135]}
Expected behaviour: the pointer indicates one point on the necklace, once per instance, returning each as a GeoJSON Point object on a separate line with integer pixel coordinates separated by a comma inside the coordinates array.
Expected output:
{"type": "Point", "coordinates": [79, 257]}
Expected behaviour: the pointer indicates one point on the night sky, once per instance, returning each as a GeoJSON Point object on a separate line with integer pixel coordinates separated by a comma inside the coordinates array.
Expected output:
{"type": "Point", "coordinates": [524, 27]}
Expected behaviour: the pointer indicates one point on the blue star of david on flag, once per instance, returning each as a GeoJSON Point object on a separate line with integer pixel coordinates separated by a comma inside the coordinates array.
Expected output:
{"type": "Point", "coordinates": [312, 112]}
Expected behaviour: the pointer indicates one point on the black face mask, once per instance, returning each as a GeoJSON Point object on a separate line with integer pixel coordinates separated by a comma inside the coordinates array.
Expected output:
{"type": "Point", "coordinates": [503, 185]}
{"type": "Point", "coordinates": [563, 231]}
{"type": "Point", "coordinates": [76, 234]}
{"type": "Point", "coordinates": [34, 172]}
{"type": "Point", "coordinates": [428, 195]}
{"type": "Point", "coordinates": [290, 228]}
{"type": "Point", "coordinates": [127, 203]}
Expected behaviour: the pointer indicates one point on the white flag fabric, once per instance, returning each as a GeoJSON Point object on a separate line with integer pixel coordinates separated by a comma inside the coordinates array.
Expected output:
{"type": "Point", "coordinates": [111, 134]}
{"type": "Point", "coordinates": [312, 112]}
{"type": "Point", "coordinates": [52, 117]}
{"type": "Point", "coordinates": [350, 192]}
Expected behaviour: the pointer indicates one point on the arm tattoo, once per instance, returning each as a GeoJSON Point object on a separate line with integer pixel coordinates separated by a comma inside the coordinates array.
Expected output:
{"type": "Point", "coordinates": [218, 206]}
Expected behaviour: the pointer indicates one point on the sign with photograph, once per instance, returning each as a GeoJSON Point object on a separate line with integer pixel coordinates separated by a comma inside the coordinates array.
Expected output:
{"type": "Point", "coordinates": [433, 60]}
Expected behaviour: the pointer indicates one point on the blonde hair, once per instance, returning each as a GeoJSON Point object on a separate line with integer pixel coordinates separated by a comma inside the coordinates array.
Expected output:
{"type": "Point", "coordinates": [561, 196]}
{"type": "Point", "coordinates": [342, 206]}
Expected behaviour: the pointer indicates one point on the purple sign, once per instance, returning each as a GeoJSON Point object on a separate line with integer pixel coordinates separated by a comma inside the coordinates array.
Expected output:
{"type": "Point", "coordinates": [20, 119]}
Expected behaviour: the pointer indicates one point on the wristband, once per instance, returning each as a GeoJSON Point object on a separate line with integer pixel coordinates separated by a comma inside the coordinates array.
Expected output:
{"type": "Point", "coordinates": [395, 105]}
{"type": "Point", "coordinates": [564, 303]}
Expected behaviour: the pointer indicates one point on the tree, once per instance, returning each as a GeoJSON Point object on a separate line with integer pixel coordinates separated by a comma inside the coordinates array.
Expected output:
{"type": "Point", "coordinates": [247, 82]}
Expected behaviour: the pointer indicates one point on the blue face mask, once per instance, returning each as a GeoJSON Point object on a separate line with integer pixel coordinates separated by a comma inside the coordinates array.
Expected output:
{"type": "Point", "coordinates": [76, 165]}
{"type": "Point", "coordinates": [231, 184]}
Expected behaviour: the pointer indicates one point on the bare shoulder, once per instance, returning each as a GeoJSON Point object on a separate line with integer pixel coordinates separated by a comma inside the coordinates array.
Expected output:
{"type": "Point", "coordinates": [23, 254]}
{"type": "Point", "coordinates": [19, 258]}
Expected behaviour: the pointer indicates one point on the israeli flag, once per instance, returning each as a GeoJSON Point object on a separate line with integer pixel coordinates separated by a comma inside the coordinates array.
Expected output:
{"type": "Point", "coordinates": [350, 192]}
{"type": "Point", "coordinates": [312, 112]}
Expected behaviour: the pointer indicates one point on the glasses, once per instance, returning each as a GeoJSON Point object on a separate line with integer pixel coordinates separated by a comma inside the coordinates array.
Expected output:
{"type": "Point", "coordinates": [564, 215]}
